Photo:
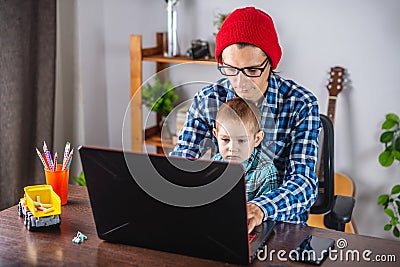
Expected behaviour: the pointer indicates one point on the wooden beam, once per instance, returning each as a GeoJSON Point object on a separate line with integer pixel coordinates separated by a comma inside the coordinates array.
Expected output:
{"type": "Point", "coordinates": [136, 92]}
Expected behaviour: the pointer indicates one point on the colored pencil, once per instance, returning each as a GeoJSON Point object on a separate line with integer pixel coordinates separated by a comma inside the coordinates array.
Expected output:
{"type": "Point", "coordinates": [48, 156]}
{"type": "Point", "coordinates": [70, 159]}
{"type": "Point", "coordinates": [55, 161]}
{"type": "Point", "coordinates": [66, 152]}
{"type": "Point", "coordinates": [41, 159]}
{"type": "Point", "coordinates": [67, 161]}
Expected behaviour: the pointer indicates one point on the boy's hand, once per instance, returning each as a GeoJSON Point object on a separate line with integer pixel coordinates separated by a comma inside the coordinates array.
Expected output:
{"type": "Point", "coordinates": [255, 216]}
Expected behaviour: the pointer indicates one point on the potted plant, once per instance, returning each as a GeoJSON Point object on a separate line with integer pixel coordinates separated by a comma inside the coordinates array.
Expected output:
{"type": "Point", "coordinates": [391, 202]}
{"type": "Point", "coordinates": [219, 18]}
{"type": "Point", "coordinates": [80, 180]}
{"type": "Point", "coordinates": [159, 98]}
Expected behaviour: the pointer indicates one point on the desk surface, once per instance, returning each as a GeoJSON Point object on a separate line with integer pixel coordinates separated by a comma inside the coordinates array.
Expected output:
{"type": "Point", "coordinates": [53, 246]}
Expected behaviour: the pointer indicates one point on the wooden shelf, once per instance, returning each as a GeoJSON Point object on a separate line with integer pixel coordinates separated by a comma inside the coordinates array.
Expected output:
{"type": "Point", "coordinates": [153, 137]}
{"type": "Point", "coordinates": [155, 140]}
{"type": "Point", "coordinates": [138, 54]}
{"type": "Point", "coordinates": [180, 59]}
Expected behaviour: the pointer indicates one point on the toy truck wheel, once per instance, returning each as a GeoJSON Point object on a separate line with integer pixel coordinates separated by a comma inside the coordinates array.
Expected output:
{"type": "Point", "coordinates": [26, 219]}
{"type": "Point", "coordinates": [57, 224]}
{"type": "Point", "coordinates": [20, 210]}
{"type": "Point", "coordinates": [30, 224]}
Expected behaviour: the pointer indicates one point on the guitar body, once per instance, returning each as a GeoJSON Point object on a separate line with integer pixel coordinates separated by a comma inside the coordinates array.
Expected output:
{"type": "Point", "coordinates": [343, 184]}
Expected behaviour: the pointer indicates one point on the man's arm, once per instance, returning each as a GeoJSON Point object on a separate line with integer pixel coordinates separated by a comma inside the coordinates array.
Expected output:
{"type": "Point", "coordinates": [195, 131]}
{"type": "Point", "coordinates": [267, 179]}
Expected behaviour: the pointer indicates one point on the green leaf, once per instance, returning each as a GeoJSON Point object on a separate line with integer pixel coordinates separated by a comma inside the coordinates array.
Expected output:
{"type": "Point", "coordinates": [389, 148]}
{"type": "Point", "coordinates": [397, 143]}
{"type": "Point", "coordinates": [81, 179]}
{"type": "Point", "coordinates": [396, 232]}
{"type": "Point", "coordinates": [396, 154]}
{"type": "Point", "coordinates": [159, 96]}
{"type": "Point", "coordinates": [389, 212]}
{"type": "Point", "coordinates": [395, 189]}
{"type": "Point", "coordinates": [386, 137]}
{"type": "Point", "coordinates": [387, 227]}
{"type": "Point", "coordinates": [395, 221]}
{"type": "Point", "coordinates": [383, 199]}
{"type": "Point", "coordinates": [393, 117]}
{"type": "Point", "coordinates": [388, 124]}
{"type": "Point", "coordinates": [386, 158]}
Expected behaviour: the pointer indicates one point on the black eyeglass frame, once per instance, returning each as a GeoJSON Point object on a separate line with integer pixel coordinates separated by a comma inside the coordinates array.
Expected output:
{"type": "Point", "coordinates": [243, 70]}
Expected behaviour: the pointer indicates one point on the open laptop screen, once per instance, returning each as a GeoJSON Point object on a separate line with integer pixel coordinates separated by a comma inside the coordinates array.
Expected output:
{"type": "Point", "coordinates": [131, 205]}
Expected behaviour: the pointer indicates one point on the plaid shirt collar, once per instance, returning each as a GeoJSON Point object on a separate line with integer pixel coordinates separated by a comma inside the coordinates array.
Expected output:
{"type": "Point", "coordinates": [271, 101]}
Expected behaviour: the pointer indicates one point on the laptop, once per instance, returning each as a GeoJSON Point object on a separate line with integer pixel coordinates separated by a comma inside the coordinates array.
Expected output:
{"type": "Point", "coordinates": [190, 207]}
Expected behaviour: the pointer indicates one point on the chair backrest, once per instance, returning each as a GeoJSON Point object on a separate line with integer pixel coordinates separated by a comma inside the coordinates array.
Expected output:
{"type": "Point", "coordinates": [325, 168]}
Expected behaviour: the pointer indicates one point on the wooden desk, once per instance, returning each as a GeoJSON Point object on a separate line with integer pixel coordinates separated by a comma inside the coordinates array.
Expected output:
{"type": "Point", "coordinates": [51, 247]}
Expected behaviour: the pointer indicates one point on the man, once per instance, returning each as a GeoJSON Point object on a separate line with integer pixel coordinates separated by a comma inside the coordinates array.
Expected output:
{"type": "Point", "coordinates": [247, 51]}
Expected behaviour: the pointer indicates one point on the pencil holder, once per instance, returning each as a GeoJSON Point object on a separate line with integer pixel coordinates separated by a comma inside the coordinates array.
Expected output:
{"type": "Point", "coordinates": [59, 181]}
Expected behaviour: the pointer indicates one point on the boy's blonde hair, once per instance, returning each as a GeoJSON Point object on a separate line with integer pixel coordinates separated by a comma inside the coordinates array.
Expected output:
{"type": "Point", "coordinates": [242, 111]}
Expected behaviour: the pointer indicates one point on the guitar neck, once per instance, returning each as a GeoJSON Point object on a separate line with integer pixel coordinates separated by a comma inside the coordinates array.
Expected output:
{"type": "Point", "coordinates": [335, 86]}
{"type": "Point", "coordinates": [332, 108]}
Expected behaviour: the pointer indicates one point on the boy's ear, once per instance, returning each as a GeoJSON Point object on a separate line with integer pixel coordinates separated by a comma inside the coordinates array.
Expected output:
{"type": "Point", "coordinates": [259, 137]}
{"type": "Point", "coordinates": [214, 132]}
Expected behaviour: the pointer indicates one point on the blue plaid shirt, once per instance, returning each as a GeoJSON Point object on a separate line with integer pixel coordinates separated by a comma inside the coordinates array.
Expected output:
{"type": "Point", "coordinates": [261, 174]}
{"type": "Point", "coordinates": [290, 121]}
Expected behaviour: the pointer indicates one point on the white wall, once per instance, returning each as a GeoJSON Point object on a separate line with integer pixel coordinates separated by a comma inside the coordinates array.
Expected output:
{"type": "Point", "coordinates": [360, 35]}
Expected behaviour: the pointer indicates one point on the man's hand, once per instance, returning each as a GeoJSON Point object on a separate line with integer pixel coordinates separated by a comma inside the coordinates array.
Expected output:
{"type": "Point", "coordinates": [255, 216]}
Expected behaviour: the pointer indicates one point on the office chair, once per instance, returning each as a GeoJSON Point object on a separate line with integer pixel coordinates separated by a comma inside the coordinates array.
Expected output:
{"type": "Point", "coordinates": [329, 211]}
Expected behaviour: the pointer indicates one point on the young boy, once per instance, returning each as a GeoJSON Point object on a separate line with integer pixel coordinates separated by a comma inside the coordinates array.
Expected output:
{"type": "Point", "coordinates": [238, 134]}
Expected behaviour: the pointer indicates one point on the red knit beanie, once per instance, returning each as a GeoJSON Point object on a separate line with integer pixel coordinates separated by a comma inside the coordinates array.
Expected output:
{"type": "Point", "coordinates": [253, 26]}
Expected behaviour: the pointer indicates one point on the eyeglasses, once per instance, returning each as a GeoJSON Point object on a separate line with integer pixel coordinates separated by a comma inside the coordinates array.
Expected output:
{"type": "Point", "coordinates": [229, 70]}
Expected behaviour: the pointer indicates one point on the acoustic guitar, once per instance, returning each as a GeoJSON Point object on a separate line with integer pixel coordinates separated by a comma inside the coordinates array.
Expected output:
{"type": "Point", "coordinates": [343, 184]}
{"type": "Point", "coordinates": [335, 87]}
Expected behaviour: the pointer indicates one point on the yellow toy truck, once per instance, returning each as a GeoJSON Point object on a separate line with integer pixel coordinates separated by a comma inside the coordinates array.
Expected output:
{"type": "Point", "coordinates": [39, 207]}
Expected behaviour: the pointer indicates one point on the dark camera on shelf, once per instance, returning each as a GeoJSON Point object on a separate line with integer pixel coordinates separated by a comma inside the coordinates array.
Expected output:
{"type": "Point", "coordinates": [199, 49]}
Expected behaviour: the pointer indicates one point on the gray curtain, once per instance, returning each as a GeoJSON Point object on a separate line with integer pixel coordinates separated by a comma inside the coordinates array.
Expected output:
{"type": "Point", "coordinates": [27, 88]}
